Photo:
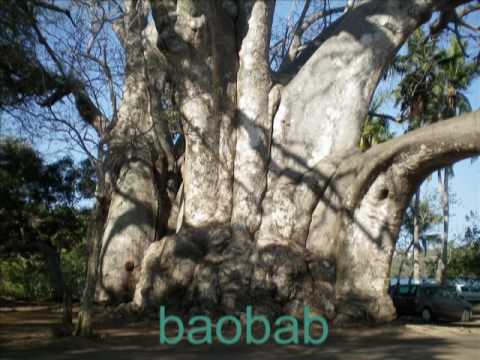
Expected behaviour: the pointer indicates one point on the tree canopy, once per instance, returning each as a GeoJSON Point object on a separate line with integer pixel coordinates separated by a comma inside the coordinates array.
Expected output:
{"type": "Point", "coordinates": [38, 212]}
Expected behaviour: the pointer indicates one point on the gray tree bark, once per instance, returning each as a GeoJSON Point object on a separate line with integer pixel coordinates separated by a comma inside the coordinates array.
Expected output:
{"type": "Point", "coordinates": [139, 158]}
{"type": "Point", "coordinates": [278, 207]}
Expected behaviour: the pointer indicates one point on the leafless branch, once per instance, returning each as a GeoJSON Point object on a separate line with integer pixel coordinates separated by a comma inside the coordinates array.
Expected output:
{"type": "Point", "coordinates": [55, 8]}
{"type": "Point", "coordinates": [384, 116]}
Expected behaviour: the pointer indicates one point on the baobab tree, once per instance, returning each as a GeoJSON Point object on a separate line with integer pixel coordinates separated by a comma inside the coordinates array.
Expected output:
{"type": "Point", "coordinates": [264, 197]}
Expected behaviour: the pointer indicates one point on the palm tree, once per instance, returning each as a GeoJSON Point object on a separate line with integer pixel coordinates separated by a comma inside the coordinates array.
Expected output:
{"type": "Point", "coordinates": [420, 219]}
{"type": "Point", "coordinates": [413, 94]}
{"type": "Point", "coordinates": [455, 75]}
{"type": "Point", "coordinates": [376, 127]}
{"type": "Point", "coordinates": [432, 89]}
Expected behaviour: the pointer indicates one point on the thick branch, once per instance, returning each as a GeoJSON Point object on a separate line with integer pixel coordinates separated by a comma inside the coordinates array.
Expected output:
{"type": "Point", "coordinates": [420, 9]}
{"type": "Point", "coordinates": [420, 152]}
{"type": "Point", "coordinates": [189, 32]}
{"type": "Point", "coordinates": [253, 85]}
{"type": "Point", "coordinates": [288, 70]}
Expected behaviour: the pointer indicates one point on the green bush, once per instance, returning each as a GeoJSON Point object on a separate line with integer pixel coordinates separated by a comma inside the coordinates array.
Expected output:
{"type": "Point", "coordinates": [26, 278]}
{"type": "Point", "coordinates": [74, 263]}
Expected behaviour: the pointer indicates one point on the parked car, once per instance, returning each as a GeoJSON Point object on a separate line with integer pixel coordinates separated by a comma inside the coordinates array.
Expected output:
{"type": "Point", "coordinates": [468, 293]}
{"type": "Point", "coordinates": [410, 280]}
{"type": "Point", "coordinates": [431, 302]}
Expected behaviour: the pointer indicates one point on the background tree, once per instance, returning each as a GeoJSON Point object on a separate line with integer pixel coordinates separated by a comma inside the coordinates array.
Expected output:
{"type": "Point", "coordinates": [417, 108]}
{"type": "Point", "coordinates": [37, 212]}
{"type": "Point", "coordinates": [431, 90]}
{"type": "Point", "coordinates": [428, 217]}
{"type": "Point", "coordinates": [376, 128]}
{"type": "Point", "coordinates": [465, 259]}
{"type": "Point", "coordinates": [455, 74]}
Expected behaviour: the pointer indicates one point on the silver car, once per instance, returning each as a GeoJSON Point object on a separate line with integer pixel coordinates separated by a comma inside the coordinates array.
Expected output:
{"type": "Point", "coordinates": [468, 293]}
{"type": "Point", "coordinates": [431, 302]}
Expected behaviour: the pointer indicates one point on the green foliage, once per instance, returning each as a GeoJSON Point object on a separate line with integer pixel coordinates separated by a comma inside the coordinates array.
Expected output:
{"type": "Point", "coordinates": [26, 277]}
{"type": "Point", "coordinates": [37, 199]}
{"type": "Point", "coordinates": [454, 77]}
{"type": "Point", "coordinates": [433, 80]}
{"type": "Point", "coordinates": [375, 128]}
{"type": "Point", "coordinates": [465, 259]}
{"type": "Point", "coordinates": [431, 89]}
{"type": "Point", "coordinates": [428, 217]}
{"type": "Point", "coordinates": [432, 85]}
{"type": "Point", "coordinates": [21, 76]}
{"type": "Point", "coordinates": [414, 92]}
{"type": "Point", "coordinates": [42, 229]}
{"type": "Point", "coordinates": [74, 262]}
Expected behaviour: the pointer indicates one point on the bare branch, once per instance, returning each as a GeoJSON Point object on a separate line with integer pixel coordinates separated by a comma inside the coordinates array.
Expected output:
{"type": "Point", "coordinates": [468, 10]}
{"type": "Point", "coordinates": [49, 49]}
{"type": "Point", "coordinates": [55, 8]}
{"type": "Point", "coordinates": [303, 24]}
{"type": "Point", "coordinates": [288, 70]}
{"type": "Point", "coordinates": [309, 21]}
{"type": "Point", "coordinates": [385, 117]}
{"type": "Point", "coordinates": [78, 138]}
{"type": "Point", "coordinates": [463, 23]}
{"type": "Point", "coordinates": [298, 32]}
{"type": "Point", "coordinates": [88, 110]}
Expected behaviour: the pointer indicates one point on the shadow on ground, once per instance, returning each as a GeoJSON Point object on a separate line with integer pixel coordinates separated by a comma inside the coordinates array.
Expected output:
{"type": "Point", "coordinates": [25, 334]}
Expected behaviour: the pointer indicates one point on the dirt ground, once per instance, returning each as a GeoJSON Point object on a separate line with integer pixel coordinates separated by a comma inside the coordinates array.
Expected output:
{"type": "Point", "coordinates": [25, 333]}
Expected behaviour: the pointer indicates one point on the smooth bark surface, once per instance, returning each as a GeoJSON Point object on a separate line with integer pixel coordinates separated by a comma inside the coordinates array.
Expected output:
{"type": "Point", "coordinates": [277, 206]}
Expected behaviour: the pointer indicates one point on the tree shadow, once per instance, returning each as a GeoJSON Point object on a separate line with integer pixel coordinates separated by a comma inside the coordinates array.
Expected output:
{"type": "Point", "coordinates": [141, 341]}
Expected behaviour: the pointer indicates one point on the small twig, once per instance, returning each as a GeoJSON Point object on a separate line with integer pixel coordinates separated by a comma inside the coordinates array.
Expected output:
{"type": "Point", "coordinates": [56, 8]}
{"type": "Point", "coordinates": [384, 116]}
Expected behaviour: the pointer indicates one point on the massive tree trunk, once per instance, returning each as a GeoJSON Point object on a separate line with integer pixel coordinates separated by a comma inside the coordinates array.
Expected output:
{"type": "Point", "coordinates": [278, 207]}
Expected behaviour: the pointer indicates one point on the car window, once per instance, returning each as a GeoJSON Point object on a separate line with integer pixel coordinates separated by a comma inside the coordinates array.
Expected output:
{"type": "Point", "coordinates": [449, 292]}
{"type": "Point", "coordinates": [429, 291]}
{"type": "Point", "coordinates": [403, 290]}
